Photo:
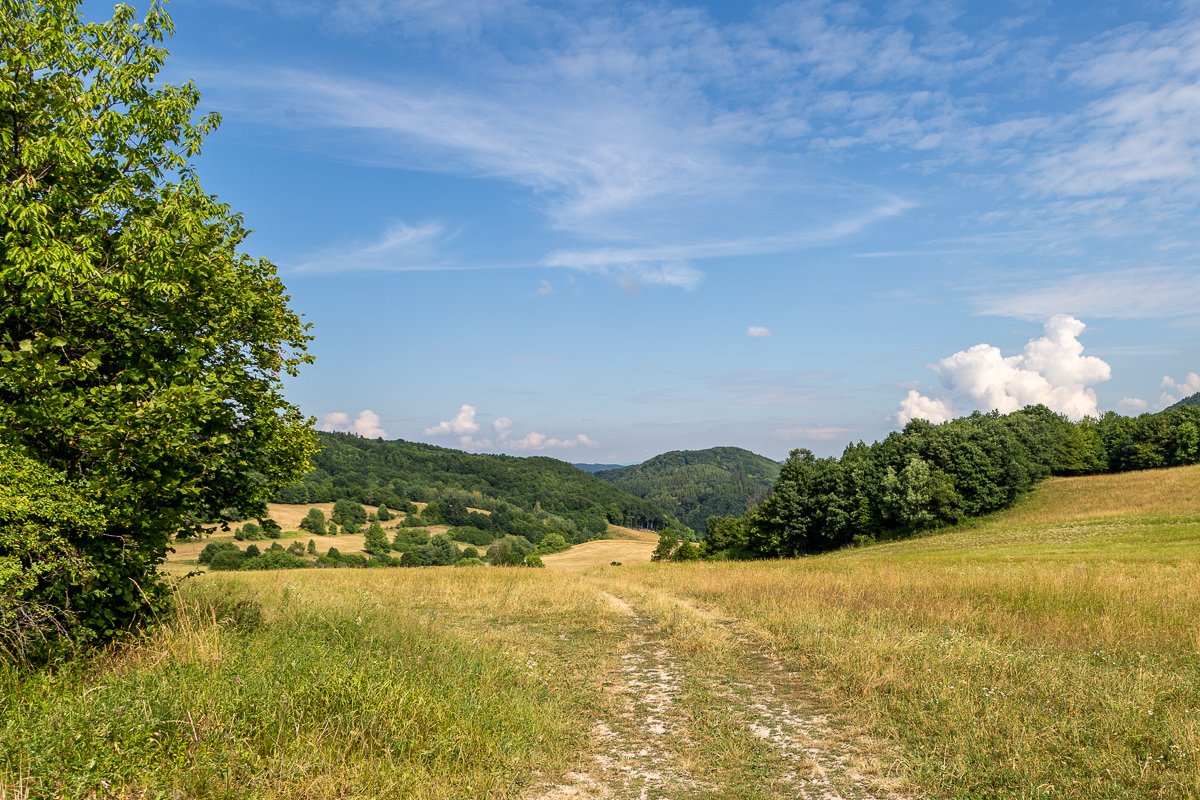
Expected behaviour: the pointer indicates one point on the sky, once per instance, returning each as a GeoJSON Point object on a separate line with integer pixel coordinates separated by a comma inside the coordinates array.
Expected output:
{"type": "Point", "coordinates": [602, 230]}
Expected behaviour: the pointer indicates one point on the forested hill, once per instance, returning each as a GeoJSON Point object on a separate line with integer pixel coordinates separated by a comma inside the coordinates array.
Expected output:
{"type": "Point", "coordinates": [376, 471]}
{"type": "Point", "coordinates": [594, 468]}
{"type": "Point", "coordinates": [694, 485]}
{"type": "Point", "coordinates": [1194, 400]}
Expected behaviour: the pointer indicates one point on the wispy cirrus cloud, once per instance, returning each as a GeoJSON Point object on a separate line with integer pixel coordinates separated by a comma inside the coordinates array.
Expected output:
{"type": "Point", "coordinates": [1149, 292]}
{"type": "Point", "coordinates": [401, 248]}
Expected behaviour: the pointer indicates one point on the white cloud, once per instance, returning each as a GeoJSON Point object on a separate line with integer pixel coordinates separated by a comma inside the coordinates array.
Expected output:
{"type": "Point", "coordinates": [1051, 370]}
{"type": "Point", "coordinates": [463, 424]}
{"type": "Point", "coordinates": [816, 433]}
{"type": "Point", "coordinates": [544, 288]}
{"type": "Point", "coordinates": [1174, 391]}
{"type": "Point", "coordinates": [1144, 127]}
{"type": "Point", "coordinates": [534, 441]}
{"type": "Point", "coordinates": [365, 424]}
{"type": "Point", "coordinates": [1132, 405]}
{"type": "Point", "coordinates": [1117, 294]}
{"type": "Point", "coordinates": [401, 248]}
{"type": "Point", "coordinates": [758, 331]}
{"type": "Point", "coordinates": [917, 406]}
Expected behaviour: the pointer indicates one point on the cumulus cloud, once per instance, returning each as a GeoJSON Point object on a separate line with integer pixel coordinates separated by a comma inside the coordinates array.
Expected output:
{"type": "Point", "coordinates": [1051, 370]}
{"type": "Point", "coordinates": [758, 331]}
{"type": "Point", "coordinates": [464, 426]}
{"type": "Point", "coordinates": [1174, 391]}
{"type": "Point", "coordinates": [918, 406]}
{"type": "Point", "coordinates": [365, 424]}
{"type": "Point", "coordinates": [1132, 405]}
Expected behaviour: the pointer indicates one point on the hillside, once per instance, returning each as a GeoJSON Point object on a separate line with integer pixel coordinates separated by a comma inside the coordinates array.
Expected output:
{"type": "Point", "coordinates": [1051, 644]}
{"type": "Point", "coordinates": [594, 468]}
{"type": "Point", "coordinates": [1194, 400]}
{"type": "Point", "coordinates": [696, 484]}
{"type": "Point", "coordinates": [392, 472]}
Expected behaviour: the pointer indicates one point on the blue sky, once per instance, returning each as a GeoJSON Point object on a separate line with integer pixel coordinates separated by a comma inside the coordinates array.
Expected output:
{"type": "Point", "coordinates": [599, 231]}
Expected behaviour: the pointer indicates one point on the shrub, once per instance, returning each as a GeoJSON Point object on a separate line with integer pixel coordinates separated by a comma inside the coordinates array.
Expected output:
{"type": "Point", "coordinates": [510, 551]}
{"type": "Point", "coordinates": [473, 561]}
{"type": "Point", "coordinates": [383, 513]}
{"type": "Point", "coordinates": [533, 560]}
{"type": "Point", "coordinates": [470, 552]}
{"type": "Point", "coordinates": [349, 514]}
{"type": "Point", "coordinates": [228, 560]}
{"type": "Point", "coordinates": [275, 559]}
{"type": "Point", "coordinates": [212, 548]}
{"type": "Point", "coordinates": [252, 531]}
{"type": "Point", "coordinates": [376, 541]}
{"type": "Point", "coordinates": [271, 529]}
{"type": "Point", "coordinates": [471, 535]}
{"type": "Point", "coordinates": [314, 522]}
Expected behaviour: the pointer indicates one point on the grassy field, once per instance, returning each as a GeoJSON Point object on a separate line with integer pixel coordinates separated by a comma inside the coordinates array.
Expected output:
{"type": "Point", "coordinates": [1049, 651]}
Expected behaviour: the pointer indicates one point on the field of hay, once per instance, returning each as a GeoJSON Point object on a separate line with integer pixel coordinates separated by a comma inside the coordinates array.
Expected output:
{"type": "Point", "coordinates": [1049, 651]}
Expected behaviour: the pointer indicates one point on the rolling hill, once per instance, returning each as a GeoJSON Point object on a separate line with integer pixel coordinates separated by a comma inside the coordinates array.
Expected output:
{"type": "Point", "coordinates": [1194, 400]}
{"type": "Point", "coordinates": [392, 472]}
{"type": "Point", "coordinates": [696, 484]}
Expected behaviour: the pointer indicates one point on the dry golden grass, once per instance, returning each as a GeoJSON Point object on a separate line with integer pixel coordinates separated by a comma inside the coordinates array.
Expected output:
{"type": "Point", "coordinates": [627, 545]}
{"type": "Point", "coordinates": [1049, 651]}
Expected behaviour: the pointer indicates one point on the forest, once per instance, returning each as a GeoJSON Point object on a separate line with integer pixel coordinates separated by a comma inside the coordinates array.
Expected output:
{"type": "Point", "coordinates": [928, 476]}
{"type": "Point", "coordinates": [373, 471]}
{"type": "Point", "coordinates": [694, 485]}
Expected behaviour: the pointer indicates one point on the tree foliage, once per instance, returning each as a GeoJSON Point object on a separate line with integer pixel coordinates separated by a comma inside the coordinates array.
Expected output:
{"type": "Point", "coordinates": [140, 351]}
{"type": "Point", "coordinates": [694, 485]}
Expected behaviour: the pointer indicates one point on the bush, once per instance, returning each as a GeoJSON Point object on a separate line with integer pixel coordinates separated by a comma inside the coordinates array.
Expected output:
{"type": "Point", "coordinates": [376, 541]}
{"type": "Point", "coordinates": [471, 535]}
{"type": "Point", "coordinates": [349, 514]}
{"type": "Point", "coordinates": [251, 531]}
{"type": "Point", "coordinates": [552, 543]}
{"type": "Point", "coordinates": [533, 560]}
{"type": "Point", "coordinates": [473, 561]}
{"type": "Point", "coordinates": [509, 551]}
{"type": "Point", "coordinates": [314, 522]}
{"type": "Point", "coordinates": [228, 560]}
{"type": "Point", "coordinates": [213, 548]}
{"type": "Point", "coordinates": [470, 552]}
{"type": "Point", "coordinates": [275, 559]}
{"type": "Point", "coordinates": [271, 529]}
{"type": "Point", "coordinates": [295, 548]}
{"type": "Point", "coordinates": [406, 540]}
{"type": "Point", "coordinates": [383, 513]}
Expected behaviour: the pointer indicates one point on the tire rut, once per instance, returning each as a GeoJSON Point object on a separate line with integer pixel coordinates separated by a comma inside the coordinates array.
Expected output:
{"type": "Point", "coordinates": [642, 748]}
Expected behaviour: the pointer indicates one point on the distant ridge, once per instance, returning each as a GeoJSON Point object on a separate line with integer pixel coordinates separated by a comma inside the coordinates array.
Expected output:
{"type": "Point", "coordinates": [393, 472]}
{"type": "Point", "coordinates": [1194, 400]}
{"type": "Point", "coordinates": [594, 468]}
{"type": "Point", "coordinates": [694, 485]}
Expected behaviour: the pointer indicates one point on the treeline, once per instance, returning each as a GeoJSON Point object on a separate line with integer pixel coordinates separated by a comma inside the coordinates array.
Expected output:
{"type": "Point", "coordinates": [927, 476]}
{"type": "Point", "coordinates": [523, 491]}
{"type": "Point", "coordinates": [694, 485]}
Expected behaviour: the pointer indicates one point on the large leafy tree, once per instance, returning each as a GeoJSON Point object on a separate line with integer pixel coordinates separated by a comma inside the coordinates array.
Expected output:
{"type": "Point", "coordinates": [141, 352]}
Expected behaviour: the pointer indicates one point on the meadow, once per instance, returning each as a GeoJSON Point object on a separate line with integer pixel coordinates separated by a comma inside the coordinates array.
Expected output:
{"type": "Point", "coordinates": [1047, 651]}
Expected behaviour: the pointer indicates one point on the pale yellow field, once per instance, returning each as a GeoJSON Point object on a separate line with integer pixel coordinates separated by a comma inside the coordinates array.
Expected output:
{"type": "Point", "coordinates": [628, 546]}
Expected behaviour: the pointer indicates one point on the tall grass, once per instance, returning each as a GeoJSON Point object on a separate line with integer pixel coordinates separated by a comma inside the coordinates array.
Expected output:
{"type": "Point", "coordinates": [1048, 652]}
{"type": "Point", "coordinates": [343, 685]}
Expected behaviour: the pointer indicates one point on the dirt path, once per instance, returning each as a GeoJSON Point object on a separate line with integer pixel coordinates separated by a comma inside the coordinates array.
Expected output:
{"type": "Point", "coordinates": [702, 709]}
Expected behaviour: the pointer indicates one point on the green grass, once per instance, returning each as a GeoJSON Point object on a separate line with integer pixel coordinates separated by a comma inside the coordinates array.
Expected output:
{"type": "Point", "coordinates": [261, 690]}
{"type": "Point", "coordinates": [1049, 651]}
